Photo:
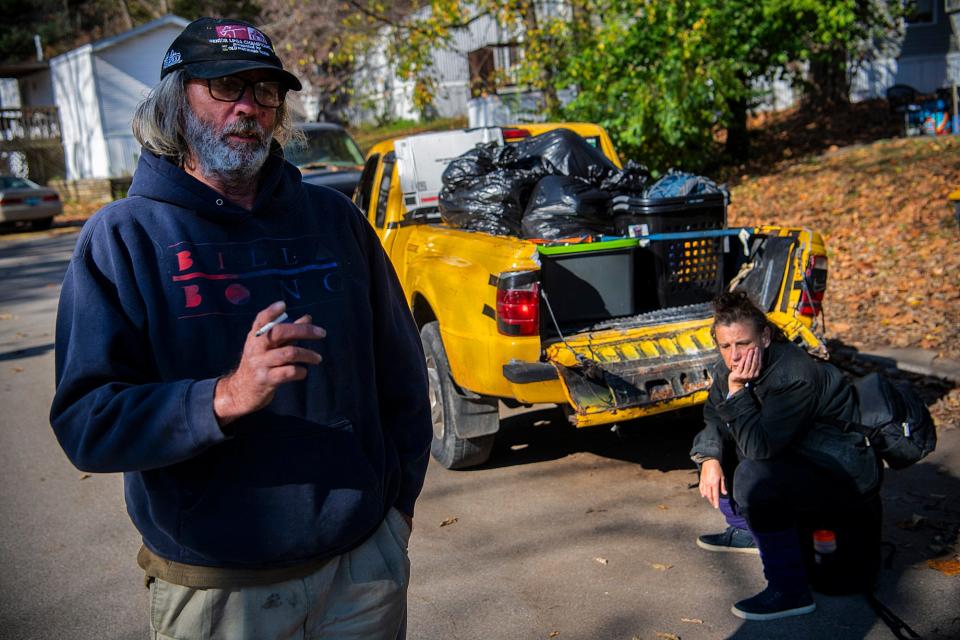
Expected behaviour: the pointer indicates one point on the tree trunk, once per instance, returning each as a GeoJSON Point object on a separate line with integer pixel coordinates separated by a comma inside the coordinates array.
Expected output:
{"type": "Point", "coordinates": [829, 87]}
{"type": "Point", "coordinates": [125, 18]}
{"type": "Point", "coordinates": [738, 140]}
{"type": "Point", "coordinates": [551, 101]}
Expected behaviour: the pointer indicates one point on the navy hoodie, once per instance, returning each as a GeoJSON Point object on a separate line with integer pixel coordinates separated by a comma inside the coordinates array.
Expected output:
{"type": "Point", "coordinates": [156, 304]}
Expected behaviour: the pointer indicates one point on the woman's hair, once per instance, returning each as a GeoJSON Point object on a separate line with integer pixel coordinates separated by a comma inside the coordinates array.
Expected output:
{"type": "Point", "coordinates": [158, 122]}
{"type": "Point", "coordinates": [731, 307]}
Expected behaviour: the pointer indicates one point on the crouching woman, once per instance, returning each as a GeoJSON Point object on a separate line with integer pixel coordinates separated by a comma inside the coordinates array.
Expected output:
{"type": "Point", "coordinates": [766, 452]}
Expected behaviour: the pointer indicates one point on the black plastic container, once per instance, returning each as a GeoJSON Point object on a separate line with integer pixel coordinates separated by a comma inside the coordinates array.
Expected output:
{"type": "Point", "coordinates": [643, 216]}
{"type": "Point", "coordinates": [853, 566]}
{"type": "Point", "coordinates": [688, 271]}
{"type": "Point", "coordinates": [589, 286]}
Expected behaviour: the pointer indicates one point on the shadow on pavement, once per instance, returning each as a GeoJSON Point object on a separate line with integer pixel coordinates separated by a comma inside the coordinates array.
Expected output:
{"type": "Point", "coordinates": [659, 442]}
{"type": "Point", "coordinates": [921, 521]}
{"type": "Point", "coordinates": [29, 352]}
{"type": "Point", "coordinates": [921, 517]}
{"type": "Point", "coordinates": [856, 364]}
{"type": "Point", "coordinates": [27, 267]}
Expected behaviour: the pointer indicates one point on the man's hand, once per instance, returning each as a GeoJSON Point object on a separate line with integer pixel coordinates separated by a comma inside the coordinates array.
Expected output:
{"type": "Point", "coordinates": [746, 370]}
{"type": "Point", "coordinates": [268, 361]}
{"type": "Point", "coordinates": [712, 483]}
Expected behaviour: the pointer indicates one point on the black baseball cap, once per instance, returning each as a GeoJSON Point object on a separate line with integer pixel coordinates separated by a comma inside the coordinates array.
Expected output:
{"type": "Point", "coordinates": [216, 47]}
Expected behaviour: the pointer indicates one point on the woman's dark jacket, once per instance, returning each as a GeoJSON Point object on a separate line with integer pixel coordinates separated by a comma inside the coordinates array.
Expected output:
{"type": "Point", "coordinates": [785, 410]}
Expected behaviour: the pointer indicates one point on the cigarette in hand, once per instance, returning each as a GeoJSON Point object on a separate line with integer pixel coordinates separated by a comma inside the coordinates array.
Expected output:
{"type": "Point", "coordinates": [270, 325]}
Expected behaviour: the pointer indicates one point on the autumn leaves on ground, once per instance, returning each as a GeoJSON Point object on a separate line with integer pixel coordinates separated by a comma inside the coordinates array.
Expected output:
{"type": "Point", "coordinates": [893, 240]}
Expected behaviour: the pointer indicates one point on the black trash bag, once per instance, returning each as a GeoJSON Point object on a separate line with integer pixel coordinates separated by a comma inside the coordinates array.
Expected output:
{"type": "Point", "coordinates": [564, 207]}
{"type": "Point", "coordinates": [490, 203]}
{"type": "Point", "coordinates": [487, 188]}
{"type": "Point", "coordinates": [478, 162]}
{"type": "Point", "coordinates": [677, 184]}
{"type": "Point", "coordinates": [466, 169]}
{"type": "Point", "coordinates": [632, 179]}
{"type": "Point", "coordinates": [563, 152]}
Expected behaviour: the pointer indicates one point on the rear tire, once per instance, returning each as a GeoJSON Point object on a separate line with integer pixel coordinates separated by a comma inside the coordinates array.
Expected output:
{"type": "Point", "coordinates": [449, 407]}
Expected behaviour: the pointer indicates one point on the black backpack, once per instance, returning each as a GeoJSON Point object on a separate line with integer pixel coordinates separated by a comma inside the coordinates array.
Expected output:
{"type": "Point", "coordinates": [895, 420]}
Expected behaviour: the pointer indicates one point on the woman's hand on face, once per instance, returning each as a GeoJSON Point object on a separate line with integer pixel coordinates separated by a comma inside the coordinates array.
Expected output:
{"type": "Point", "coordinates": [746, 370]}
{"type": "Point", "coordinates": [712, 483]}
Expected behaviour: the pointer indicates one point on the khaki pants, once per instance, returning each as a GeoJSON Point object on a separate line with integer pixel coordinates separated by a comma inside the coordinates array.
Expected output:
{"type": "Point", "coordinates": [361, 594]}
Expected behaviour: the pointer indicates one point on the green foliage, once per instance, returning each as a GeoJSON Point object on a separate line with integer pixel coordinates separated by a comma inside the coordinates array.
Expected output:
{"type": "Point", "coordinates": [651, 73]}
{"type": "Point", "coordinates": [668, 79]}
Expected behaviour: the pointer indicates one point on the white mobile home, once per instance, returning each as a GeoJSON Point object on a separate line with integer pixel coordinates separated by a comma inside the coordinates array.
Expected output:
{"type": "Point", "coordinates": [97, 87]}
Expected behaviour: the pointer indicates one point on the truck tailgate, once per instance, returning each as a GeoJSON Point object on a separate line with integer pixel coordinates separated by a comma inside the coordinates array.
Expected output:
{"type": "Point", "coordinates": [609, 374]}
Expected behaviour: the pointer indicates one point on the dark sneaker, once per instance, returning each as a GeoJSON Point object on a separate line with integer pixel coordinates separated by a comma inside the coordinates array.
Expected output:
{"type": "Point", "coordinates": [770, 604]}
{"type": "Point", "coordinates": [732, 540]}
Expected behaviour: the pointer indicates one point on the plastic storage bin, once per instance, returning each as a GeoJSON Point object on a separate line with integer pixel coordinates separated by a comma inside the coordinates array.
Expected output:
{"type": "Point", "coordinates": [688, 271]}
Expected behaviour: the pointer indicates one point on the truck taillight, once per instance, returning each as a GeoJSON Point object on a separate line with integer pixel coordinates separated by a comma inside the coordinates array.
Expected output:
{"type": "Point", "coordinates": [815, 279]}
{"type": "Point", "coordinates": [514, 134]}
{"type": "Point", "coordinates": [518, 304]}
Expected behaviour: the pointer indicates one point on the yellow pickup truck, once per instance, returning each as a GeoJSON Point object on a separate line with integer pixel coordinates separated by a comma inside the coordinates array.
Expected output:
{"type": "Point", "coordinates": [611, 329]}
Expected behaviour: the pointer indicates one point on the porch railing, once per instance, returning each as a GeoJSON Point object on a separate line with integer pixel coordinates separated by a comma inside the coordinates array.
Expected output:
{"type": "Point", "coordinates": [30, 123]}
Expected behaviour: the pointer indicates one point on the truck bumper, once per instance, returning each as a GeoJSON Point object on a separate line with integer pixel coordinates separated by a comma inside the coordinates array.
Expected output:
{"type": "Point", "coordinates": [528, 372]}
{"type": "Point", "coordinates": [627, 372]}
{"type": "Point", "coordinates": [601, 393]}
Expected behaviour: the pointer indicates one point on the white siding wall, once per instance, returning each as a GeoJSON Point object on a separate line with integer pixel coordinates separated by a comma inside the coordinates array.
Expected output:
{"type": "Point", "coordinates": [453, 68]}
{"type": "Point", "coordinates": [9, 93]}
{"type": "Point", "coordinates": [380, 83]}
{"type": "Point", "coordinates": [379, 93]}
{"type": "Point", "coordinates": [74, 89]}
{"type": "Point", "coordinates": [924, 73]}
{"type": "Point", "coordinates": [125, 74]}
{"type": "Point", "coordinates": [775, 94]}
{"type": "Point", "coordinates": [872, 79]}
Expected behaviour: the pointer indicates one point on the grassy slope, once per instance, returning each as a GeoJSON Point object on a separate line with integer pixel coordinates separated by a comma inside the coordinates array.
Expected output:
{"type": "Point", "coordinates": [892, 238]}
{"type": "Point", "coordinates": [891, 234]}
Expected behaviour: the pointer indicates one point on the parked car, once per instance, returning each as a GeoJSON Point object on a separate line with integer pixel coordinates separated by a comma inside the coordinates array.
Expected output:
{"type": "Point", "coordinates": [328, 157]}
{"type": "Point", "coordinates": [22, 200]}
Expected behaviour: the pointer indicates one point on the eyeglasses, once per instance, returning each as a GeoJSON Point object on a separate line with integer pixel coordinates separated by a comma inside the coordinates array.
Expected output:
{"type": "Point", "coordinates": [268, 94]}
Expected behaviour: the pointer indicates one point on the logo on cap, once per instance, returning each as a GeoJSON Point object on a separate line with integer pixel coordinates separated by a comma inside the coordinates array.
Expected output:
{"type": "Point", "coordinates": [173, 57]}
{"type": "Point", "coordinates": [240, 32]}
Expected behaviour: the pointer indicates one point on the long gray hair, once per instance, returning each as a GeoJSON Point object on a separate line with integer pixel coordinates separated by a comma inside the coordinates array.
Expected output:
{"type": "Point", "coordinates": [158, 122]}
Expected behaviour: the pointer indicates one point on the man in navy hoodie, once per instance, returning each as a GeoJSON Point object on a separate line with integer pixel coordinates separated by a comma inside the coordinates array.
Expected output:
{"type": "Point", "coordinates": [271, 466]}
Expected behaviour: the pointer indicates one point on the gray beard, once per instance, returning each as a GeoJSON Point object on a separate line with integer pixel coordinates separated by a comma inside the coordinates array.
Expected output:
{"type": "Point", "coordinates": [236, 166]}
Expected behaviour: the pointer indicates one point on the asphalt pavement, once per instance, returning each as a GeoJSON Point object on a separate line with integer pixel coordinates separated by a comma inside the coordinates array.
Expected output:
{"type": "Point", "coordinates": [581, 534]}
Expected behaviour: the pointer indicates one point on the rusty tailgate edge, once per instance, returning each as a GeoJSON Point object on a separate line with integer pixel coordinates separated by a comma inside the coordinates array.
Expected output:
{"type": "Point", "coordinates": [599, 387]}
